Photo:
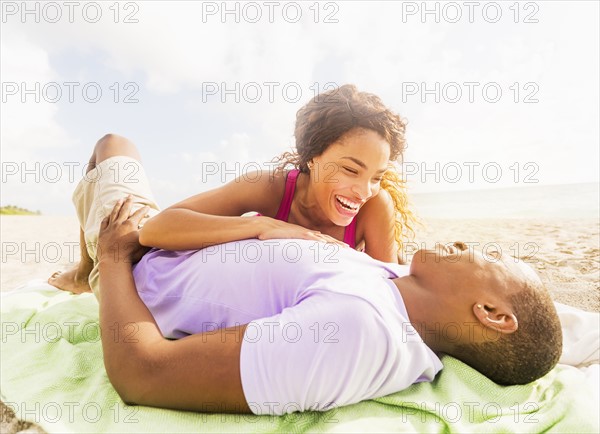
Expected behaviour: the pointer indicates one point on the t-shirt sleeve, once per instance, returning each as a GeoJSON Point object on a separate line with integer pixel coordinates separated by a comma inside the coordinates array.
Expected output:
{"type": "Point", "coordinates": [322, 353]}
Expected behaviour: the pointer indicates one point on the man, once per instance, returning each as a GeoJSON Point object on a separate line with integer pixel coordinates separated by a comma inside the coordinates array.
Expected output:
{"type": "Point", "coordinates": [272, 332]}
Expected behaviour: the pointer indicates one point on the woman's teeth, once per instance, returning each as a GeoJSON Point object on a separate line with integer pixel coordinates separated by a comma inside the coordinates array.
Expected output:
{"type": "Point", "coordinates": [347, 204]}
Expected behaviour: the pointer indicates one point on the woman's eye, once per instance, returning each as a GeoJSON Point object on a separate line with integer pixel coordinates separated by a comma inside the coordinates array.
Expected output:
{"type": "Point", "coordinates": [378, 180]}
{"type": "Point", "coordinates": [350, 170]}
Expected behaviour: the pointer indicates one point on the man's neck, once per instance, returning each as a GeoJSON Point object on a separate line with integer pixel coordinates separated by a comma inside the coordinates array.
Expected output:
{"type": "Point", "coordinates": [422, 312]}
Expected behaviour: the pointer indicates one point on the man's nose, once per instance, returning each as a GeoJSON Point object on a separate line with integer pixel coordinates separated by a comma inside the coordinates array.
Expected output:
{"type": "Point", "coordinates": [460, 245]}
{"type": "Point", "coordinates": [456, 247]}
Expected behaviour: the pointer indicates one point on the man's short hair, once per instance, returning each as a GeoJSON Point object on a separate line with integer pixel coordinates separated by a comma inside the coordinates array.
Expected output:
{"type": "Point", "coordinates": [531, 351]}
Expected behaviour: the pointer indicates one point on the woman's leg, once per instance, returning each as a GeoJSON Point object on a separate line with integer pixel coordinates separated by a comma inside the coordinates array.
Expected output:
{"type": "Point", "coordinates": [75, 279]}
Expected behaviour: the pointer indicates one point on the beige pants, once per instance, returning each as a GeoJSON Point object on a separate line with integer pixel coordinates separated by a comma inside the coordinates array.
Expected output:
{"type": "Point", "coordinates": [97, 193]}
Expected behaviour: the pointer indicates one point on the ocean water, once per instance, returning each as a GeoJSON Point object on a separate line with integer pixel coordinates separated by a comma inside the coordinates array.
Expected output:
{"type": "Point", "coordinates": [546, 201]}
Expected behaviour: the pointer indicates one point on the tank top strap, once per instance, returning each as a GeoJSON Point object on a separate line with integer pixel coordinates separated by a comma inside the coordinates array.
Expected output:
{"type": "Point", "coordinates": [286, 201]}
{"type": "Point", "coordinates": [350, 234]}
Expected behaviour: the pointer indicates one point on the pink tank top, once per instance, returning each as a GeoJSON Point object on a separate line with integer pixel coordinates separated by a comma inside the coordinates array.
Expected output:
{"type": "Point", "coordinates": [286, 203]}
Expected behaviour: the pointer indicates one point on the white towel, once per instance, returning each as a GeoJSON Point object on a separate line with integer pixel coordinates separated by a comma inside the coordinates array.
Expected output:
{"type": "Point", "coordinates": [581, 336]}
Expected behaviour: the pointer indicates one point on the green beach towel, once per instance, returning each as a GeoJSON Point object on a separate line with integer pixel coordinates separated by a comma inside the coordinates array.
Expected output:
{"type": "Point", "coordinates": [52, 373]}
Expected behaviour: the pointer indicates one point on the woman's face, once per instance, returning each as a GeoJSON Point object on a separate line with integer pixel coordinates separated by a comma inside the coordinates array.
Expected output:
{"type": "Point", "coordinates": [348, 173]}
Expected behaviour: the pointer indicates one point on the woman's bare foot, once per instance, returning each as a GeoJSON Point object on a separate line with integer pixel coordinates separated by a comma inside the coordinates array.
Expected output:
{"type": "Point", "coordinates": [72, 280]}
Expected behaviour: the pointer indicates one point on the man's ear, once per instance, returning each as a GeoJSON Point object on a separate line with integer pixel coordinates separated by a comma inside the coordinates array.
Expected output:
{"type": "Point", "coordinates": [498, 318]}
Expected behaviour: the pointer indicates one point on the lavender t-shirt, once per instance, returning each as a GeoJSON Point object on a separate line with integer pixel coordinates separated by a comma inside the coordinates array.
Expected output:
{"type": "Point", "coordinates": [326, 325]}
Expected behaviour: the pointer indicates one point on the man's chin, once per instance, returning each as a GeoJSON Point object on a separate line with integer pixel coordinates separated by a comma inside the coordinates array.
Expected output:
{"type": "Point", "coordinates": [420, 256]}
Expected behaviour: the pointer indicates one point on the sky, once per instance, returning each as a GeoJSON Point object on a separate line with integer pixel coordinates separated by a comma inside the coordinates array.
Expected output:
{"type": "Point", "coordinates": [496, 94]}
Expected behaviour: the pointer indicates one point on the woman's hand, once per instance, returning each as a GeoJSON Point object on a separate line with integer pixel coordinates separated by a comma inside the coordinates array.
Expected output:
{"type": "Point", "coordinates": [118, 240]}
{"type": "Point", "coordinates": [274, 229]}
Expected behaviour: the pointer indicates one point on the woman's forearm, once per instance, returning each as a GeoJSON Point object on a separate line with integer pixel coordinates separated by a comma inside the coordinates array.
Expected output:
{"type": "Point", "coordinates": [182, 229]}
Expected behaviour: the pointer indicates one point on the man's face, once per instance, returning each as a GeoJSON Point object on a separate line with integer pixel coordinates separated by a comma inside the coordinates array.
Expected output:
{"type": "Point", "coordinates": [459, 274]}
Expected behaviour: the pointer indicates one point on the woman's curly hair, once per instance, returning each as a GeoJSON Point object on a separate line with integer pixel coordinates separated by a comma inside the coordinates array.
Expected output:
{"type": "Point", "coordinates": [328, 116]}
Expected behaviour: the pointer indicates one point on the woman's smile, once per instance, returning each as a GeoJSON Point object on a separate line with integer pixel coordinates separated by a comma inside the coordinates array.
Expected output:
{"type": "Point", "coordinates": [346, 208]}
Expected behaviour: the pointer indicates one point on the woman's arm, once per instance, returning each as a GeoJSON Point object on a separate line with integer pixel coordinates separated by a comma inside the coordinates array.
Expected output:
{"type": "Point", "coordinates": [377, 220]}
{"type": "Point", "coordinates": [200, 372]}
{"type": "Point", "coordinates": [213, 217]}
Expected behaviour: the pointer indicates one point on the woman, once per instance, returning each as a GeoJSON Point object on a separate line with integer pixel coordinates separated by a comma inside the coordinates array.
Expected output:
{"type": "Point", "coordinates": [342, 188]}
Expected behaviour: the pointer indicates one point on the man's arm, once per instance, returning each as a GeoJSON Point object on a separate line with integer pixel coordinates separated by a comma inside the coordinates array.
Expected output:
{"type": "Point", "coordinates": [200, 372]}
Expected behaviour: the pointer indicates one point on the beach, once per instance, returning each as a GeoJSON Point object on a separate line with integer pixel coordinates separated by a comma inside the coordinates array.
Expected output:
{"type": "Point", "coordinates": [564, 252]}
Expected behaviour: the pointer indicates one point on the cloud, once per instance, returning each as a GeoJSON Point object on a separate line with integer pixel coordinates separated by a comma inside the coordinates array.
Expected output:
{"type": "Point", "coordinates": [31, 176]}
{"type": "Point", "coordinates": [30, 126]}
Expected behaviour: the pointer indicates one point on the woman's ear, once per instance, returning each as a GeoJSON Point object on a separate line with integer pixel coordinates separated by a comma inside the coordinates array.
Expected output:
{"type": "Point", "coordinates": [500, 319]}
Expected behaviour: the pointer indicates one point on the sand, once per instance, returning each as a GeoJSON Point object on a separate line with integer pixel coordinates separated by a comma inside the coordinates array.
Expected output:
{"type": "Point", "coordinates": [34, 247]}
{"type": "Point", "coordinates": [565, 253]}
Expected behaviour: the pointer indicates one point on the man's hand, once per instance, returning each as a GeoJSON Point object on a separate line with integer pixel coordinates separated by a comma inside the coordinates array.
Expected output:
{"type": "Point", "coordinates": [118, 240]}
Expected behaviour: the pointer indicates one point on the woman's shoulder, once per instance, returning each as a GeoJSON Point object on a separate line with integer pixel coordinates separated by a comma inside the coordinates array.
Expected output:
{"type": "Point", "coordinates": [274, 181]}
{"type": "Point", "coordinates": [379, 207]}
{"type": "Point", "coordinates": [375, 222]}
{"type": "Point", "coordinates": [270, 185]}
